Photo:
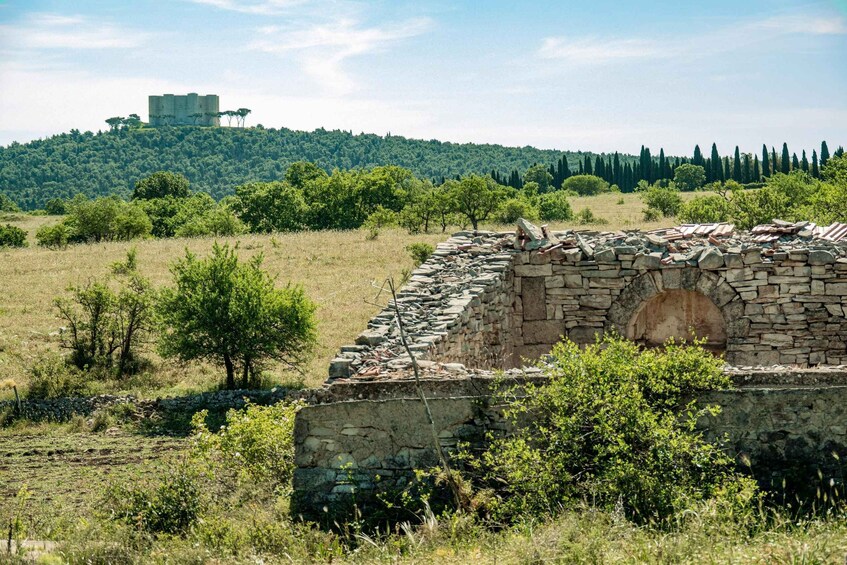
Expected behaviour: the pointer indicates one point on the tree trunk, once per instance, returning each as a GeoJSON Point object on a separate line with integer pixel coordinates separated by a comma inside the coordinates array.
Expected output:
{"type": "Point", "coordinates": [230, 372]}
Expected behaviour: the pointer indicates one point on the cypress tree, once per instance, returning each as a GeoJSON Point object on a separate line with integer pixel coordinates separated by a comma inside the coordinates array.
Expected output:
{"type": "Point", "coordinates": [727, 174]}
{"type": "Point", "coordinates": [588, 168]}
{"type": "Point", "coordinates": [757, 175]}
{"type": "Point", "coordinates": [627, 178]}
{"type": "Point", "coordinates": [824, 154]}
{"type": "Point", "coordinates": [566, 168]}
{"type": "Point", "coordinates": [785, 164]}
{"type": "Point", "coordinates": [804, 163]}
{"type": "Point", "coordinates": [746, 172]}
{"type": "Point", "coordinates": [766, 164]}
{"type": "Point", "coordinates": [581, 168]}
{"type": "Point", "coordinates": [795, 163]}
{"type": "Point", "coordinates": [774, 160]}
{"type": "Point", "coordinates": [698, 157]}
{"type": "Point", "coordinates": [617, 173]}
{"type": "Point", "coordinates": [663, 164]}
{"type": "Point", "coordinates": [816, 172]}
{"type": "Point", "coordinates": [647, 172]}
{"type": "Point", "coordinates": [717, 170]}
{"type": "Point", "coordinates": [736, 166]}
{"type": "Point", "coordinates": [840, 151]}
{"type": "Point", "coordinates": [599, 167]}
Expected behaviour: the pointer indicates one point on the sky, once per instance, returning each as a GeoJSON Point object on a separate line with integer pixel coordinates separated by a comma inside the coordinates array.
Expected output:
{"type": "Point", "coordinates": [598, 76]}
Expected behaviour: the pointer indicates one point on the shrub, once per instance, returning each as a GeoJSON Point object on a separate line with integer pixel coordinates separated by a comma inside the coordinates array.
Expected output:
{"type": "Point", "coordinates": [512, 209]}
{"type": "Point", "coordinates": [585, 185]}
{"type": "Point", "coordinates": [216, 222]}
{"type": "Point", "coordinates": [56, 236]}
{"type": "Point", "coordinates": [420, 252]}
{"type": "Point", "coordinates": [666, 200]}
{"type": "Point", "coordinates": [612, 426]}
{"type": "Point", "coordinates": [52, 377]}
{"type": "Point", "coordinates": [105, 219]}
{"type": "Point", "coordinates": [56, 207]}
{"type": "Point", "coordinates": [256, 443]}
{"type": "Point", "coordinates": [706, 209]}
{"type": "Point", "coordinates": [105, 328]}
{"type": "Point", "coordinates": [554, 207]}
{"type": "Point", "coordinates": [378, 219]}
{"type": "Point", "coordinates": [651, 215]}
{"type": "Point", "coordinates": [12, 236]}
{"type": "Point", "coordinates": [587, 217]}
{"type": "Point", "coordinates": [7, 204]}
{"type": "Point", "coordinates": [171, 505]}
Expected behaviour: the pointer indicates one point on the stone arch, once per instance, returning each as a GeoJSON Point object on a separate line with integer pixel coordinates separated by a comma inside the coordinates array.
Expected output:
{"type": "Point", "coordinates": [652, 287]}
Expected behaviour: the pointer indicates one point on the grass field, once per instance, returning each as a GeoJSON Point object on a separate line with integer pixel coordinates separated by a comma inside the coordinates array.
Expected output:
{"type": "Point", "coordinates": [337, 270]}
{"type": "Point", "coordinates": [55, 474]}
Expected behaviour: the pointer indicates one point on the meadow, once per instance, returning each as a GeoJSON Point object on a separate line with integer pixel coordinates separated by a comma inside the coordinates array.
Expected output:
{"type": "Point", "coordinates": [338, 270]}
{"type": "Point", "coordinates": [54, 475]}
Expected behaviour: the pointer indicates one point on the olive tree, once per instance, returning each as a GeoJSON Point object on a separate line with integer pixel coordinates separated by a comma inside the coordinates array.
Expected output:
{"type": "Point", "coordinates": [230, 312]}
{"type": "Point", "coordinates": [476, 198]}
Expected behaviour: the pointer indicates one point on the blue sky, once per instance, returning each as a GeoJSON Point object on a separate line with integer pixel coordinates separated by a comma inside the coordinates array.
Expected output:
{"type": "Point", "coordinates": [598, 76]}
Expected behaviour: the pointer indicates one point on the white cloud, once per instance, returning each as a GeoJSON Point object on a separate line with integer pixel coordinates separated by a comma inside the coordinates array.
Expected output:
{"type": "Point", "coordinates": [260, 8]}
{"type": "Point", "coordinates": [589, 50]}
{"type": "Point", "coordinates": [596, 50]}
{"type": "Point", "coordinates": [56, 31]}
{"type": "Point", "coordinates": [791, 24]}
{"type": "Point", "coordinates": [323, 48]}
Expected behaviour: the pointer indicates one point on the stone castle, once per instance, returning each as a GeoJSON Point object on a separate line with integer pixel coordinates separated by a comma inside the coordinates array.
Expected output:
{"type": "Point", "coordinates": [184, 110]}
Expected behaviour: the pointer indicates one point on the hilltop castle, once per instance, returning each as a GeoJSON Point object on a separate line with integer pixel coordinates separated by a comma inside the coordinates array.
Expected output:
{"type": "Point", "coordinates": [184, 109]}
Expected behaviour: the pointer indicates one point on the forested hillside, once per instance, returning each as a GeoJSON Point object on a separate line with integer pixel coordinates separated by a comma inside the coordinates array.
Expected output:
{"type": "Point", "coordinates": [216, 160]}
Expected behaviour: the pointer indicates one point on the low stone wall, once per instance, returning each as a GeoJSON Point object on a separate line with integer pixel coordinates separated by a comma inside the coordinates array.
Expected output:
{"type": "Point", "coordinates": [362, 447]}
{"type": "Point", "coordinates": [63, 409]}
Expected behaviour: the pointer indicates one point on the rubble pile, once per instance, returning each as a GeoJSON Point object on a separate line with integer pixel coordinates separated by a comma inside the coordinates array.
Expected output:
{"type": "Point", "coordinates": [457, 308]}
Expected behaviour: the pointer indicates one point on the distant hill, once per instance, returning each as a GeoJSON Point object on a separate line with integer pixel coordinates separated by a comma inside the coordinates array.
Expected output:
{"type": "Point", "coordinates": [216, 160]}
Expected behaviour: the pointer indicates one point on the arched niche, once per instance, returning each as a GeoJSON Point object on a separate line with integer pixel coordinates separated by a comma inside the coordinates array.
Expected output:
{"type": "Point", "coordinates": [623, 316]}
{"type": "Point", "coordinates": [679, 314]}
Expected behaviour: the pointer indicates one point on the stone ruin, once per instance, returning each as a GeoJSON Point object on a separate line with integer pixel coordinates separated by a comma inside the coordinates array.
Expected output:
{"type": "Point", "coordinates": [772, 301]}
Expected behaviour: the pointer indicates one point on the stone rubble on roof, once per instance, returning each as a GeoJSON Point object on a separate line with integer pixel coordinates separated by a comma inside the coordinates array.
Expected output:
{"type": "Point", "coordinates": [470, 265]}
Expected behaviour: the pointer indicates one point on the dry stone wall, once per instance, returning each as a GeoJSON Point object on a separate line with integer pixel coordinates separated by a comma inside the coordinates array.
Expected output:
{"type": "Point", "coordinates": [353, 450]}
{"type": "Point", "coordinates": [487, 300]}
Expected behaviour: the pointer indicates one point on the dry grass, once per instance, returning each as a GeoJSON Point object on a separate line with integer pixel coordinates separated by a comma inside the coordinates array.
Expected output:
{"type": "Point", "coordinates": [336, 269]}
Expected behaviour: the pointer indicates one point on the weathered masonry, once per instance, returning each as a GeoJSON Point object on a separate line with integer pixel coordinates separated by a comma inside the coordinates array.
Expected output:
{"type": "Point", "coordinates": [772, 301]}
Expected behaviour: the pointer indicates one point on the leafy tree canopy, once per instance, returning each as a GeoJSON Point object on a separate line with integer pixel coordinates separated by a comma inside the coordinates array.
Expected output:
{"type": "Point", "coordinates": [161, 184]}
{"type": "Point", "coordinates": [230, 312]}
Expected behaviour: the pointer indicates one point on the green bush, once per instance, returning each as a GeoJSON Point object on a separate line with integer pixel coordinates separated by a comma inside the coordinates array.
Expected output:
{"type": "Point", "coordinates": [216, 222]}
{"type": "Point", "coordinates": [666, 200]}
{"type": "Point", "coordinates": [554, 207]}
{"type": "Point", "coordinates": [612, 426]}
{"type": "Point", "coordinates": [420, 252]}
{"type": "Point", "coordinates": [56, 236]}
{"type": "Point", "coordinates": [12, 236]}
{"type": "Point", "coordinates": [171, 505]}
{"type": "Point", "coordinates": [256, 444]}
{"type": "Point", "coordinates": [52, 377]}
{"type": "Point", "coordinates": [56, 207]}
{"type": "Point", "coordinates": [7, 204]}
{"type": "Point", "coordinates": [512, 209]}
{"type": "Point", "coordinates": [586, 217]}
{"type": "Point", "coordinates": [706, 209]}
{"type": "Point", "coordinates": [585, 185]}
{"type": "Point", "coordinates": [378, 219]}
{"type": "Point", "coordinates": [108, 320]}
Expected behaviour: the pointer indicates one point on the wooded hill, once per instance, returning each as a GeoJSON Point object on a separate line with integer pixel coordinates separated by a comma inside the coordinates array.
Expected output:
{"type": "Point", "coordinates": [216, 160]}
